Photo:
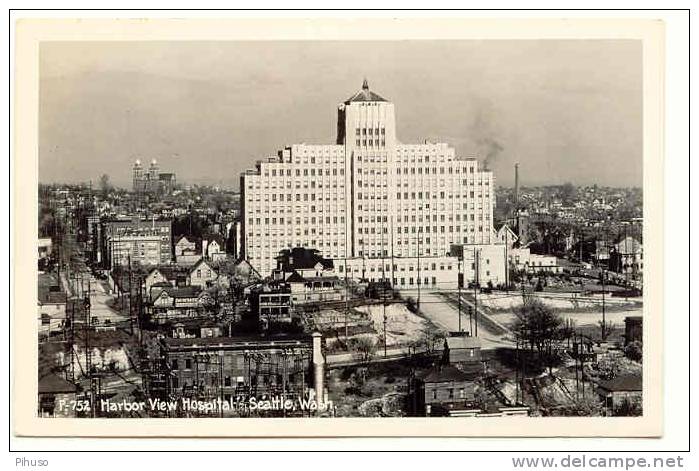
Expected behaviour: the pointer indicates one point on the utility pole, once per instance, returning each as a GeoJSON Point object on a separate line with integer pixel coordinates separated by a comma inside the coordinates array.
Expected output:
{"type": "Point", "coordinates": [578, 352]}
{"type": "Point", "coordinates": [604, 276]}
{"type": "Point", "coordinates": [516, 369]}
{"type": "Point", "coordinates": [346, 298]}
{"type": "Point", "coordinates": [392, 266]}
{"type": "Point", "coordinates": [475, 290]}
{"type": "Point", "coordinates": [419, 237]}
{"type": "Point", "coordinates": [604, 322]}
{"type": "Point", "coordinates": [507, 261]}
{"type": "Point", "coordinates": [624, 256]}
{"type": "Point", "coordinates": [459, 281]}
{"type": "Point", "coordinates": [383, 287]}
{"type": "Point", "coordinates": [88, 357]}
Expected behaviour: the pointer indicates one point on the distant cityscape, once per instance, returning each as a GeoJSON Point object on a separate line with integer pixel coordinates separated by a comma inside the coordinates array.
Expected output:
{"type": "Point", "coordinates": [362, 278]}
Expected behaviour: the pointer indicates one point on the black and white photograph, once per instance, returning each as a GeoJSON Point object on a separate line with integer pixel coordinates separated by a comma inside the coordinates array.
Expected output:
{"type": "Point", "coordinates": [382, 229]}
{"type": "Point", "coordinates": [456, 232]}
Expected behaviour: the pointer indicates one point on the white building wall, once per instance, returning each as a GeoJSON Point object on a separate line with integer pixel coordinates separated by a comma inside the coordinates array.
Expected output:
{"type": "Point", "coordinates": [296, 200]}
{"type": "Point", "coordinates": [366, 197]}
{"type": "Point", "coordinates": [435, 273]}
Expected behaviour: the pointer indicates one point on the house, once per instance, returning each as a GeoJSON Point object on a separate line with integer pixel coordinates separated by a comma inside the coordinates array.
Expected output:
{"type": "Point", "coordinates": [314, 289]}
{"type": "Point", "coordinates": [202, 274]}
{"type": "Point", "coordinates": [601, 252]}
{"type": "Point", "coordinates": [159, 277]}
{"type": "Point", "coordinates": [44, 253]}
{"type": "Point", "coordinates": [505, 235]}
{"type": "Point", "coordinates": [633, 329]}
{"type": "Point", "coordinates": [156, 288]}
{"type": "Point", "coordinates": [272, 303]}
{"type": "Point", "coordinates": [195, 328]}
{"type": "Point", "coordinates": [306, 262]}
{"type": "Point", "coordinates": [213, 247]}
{"type": "Point", "coordinates": [51, 305]}
{"type": "Point", "coordinates": [523, 260]}
{"type": "Point", "coordinates": [621, 390]}
{"type": "Point", "coordinates": [177, 303]}
{"type": "Point", "coordinates": [186, 251]}
{"type": "Point", "coordinates": [55, 396]}
{"type": "Point", "coordinates": [311, 278]}
{"type": "Point", "coordinates": [462, 349]}
{"type": "Point", "coordinates": [442, 389]}
{"type": "Point", "coordinates": [45, 247]}
{"type": "Point", "coordinates": [184, 245]}
{"type": "Point", "coordinates": [626, 256]}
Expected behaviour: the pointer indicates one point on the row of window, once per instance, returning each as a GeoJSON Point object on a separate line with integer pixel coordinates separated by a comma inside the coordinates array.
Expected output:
{"type": "Point", "coordinates": [387, 267]}
{"type": "Point", "coordinates": [420, 218]}
{"type": "Point", "coordinates": [370, 143]}
{"type": "Point", "coordinates": [312, 220]}
{"type": "Point", "coordinates": [335, 171]}
{"type": "Point", "coordinates": [370, 131]}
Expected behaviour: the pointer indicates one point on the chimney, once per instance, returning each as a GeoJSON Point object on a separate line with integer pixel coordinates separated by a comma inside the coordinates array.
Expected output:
{"type": "Point", "coordinates": [516, 184]}
{"type": "Point", "coordinates": [318, 369]}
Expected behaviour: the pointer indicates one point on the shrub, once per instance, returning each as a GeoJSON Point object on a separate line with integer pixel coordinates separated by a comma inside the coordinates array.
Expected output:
{"type": "Point", "coordinates": [634, 351]}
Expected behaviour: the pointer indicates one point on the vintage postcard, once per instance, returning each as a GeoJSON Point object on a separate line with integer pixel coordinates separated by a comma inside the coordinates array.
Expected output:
{"type": "Point", "coordinates": [368, 226]}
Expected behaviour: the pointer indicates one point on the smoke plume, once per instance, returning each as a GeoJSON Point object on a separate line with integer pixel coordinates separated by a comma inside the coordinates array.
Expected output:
{"type": "Point", "coordinates": [483, 133]}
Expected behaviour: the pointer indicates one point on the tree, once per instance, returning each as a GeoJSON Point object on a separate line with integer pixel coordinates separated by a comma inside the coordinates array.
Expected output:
{"type": "Point", "coordinates": [105, 185]}
{"type": "Point", "coordinates": [568, 330]}
{"type": "Point", "coordinates": [588, 406]}
{"type": "Point", "coordinates": [605, 328]}
{"type": "Point", "coordinates": [429, 340]}
{"type": "Point", "coordinates": [540, 328]}
{"type": "Point", "coordinates": [629, 408]}
{"type": "Point", "coordinates": [364, 349]}
{"type": "Point", "coordinates": [634, 351]}
{"type": "Point", "coordinates": [568, 193]}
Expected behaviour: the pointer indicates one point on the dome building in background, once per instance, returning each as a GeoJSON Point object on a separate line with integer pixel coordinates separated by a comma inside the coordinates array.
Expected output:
{"type": "Point", "coordinates": [152, 181]}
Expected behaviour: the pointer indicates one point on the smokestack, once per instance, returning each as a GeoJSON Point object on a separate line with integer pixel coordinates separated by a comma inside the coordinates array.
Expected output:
{"type": "Point", "coordinates": [318, 369]}
{"type": "Point", "coordinates": [516, 183]}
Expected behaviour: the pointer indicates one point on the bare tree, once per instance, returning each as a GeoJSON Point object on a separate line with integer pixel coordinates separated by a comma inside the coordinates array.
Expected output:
{"type": "Point", "coordinates": [364, 349]}
{"type": "Point", "coordinates": [540, 327]}
{"type": "Point", "coordinates": [105, 184]}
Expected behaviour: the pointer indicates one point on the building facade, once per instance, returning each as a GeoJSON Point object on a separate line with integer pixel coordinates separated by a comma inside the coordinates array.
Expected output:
{"type": "Point", "coordinates": [367, 196]}
{"type": "Point", "coordinates": [151, 180]}
{"type": "Point", "coordinates": [240, 367]}
{"type": "Point", "coordinates": [135, 240]}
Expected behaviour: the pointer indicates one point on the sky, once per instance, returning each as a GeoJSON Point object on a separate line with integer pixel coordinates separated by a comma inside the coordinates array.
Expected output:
{"type": "Point", "coordinates": [566, 110]}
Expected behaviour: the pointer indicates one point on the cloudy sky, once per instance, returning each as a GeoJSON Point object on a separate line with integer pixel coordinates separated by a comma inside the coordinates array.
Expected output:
{"type": "Point", "coordinates": [566, 110]}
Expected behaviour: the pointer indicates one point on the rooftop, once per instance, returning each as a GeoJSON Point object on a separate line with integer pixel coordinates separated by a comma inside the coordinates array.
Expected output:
{"type": "Point", "coordinates": [463, 342]}
{"type": "Point", "coordinates": [300, 258]}
{"type": "Point", "coordinates": [444, 374]}
{"type": "Point", "coordinates": [54, 384]}
{"type": "Point", "coordinates": [623, 383]}
{"type": "Point", "coordinates": [365, 95]}
{"type": "Point", "coordinates": [183, 291]}
{"type": "Point", "coordinates": [243, 341]}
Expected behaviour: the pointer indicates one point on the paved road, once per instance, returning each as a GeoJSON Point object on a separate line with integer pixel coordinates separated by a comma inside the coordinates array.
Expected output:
{"type": "Point", "coordinates": [446, 316]}
{"type": "Point", "coordinates": [99, 306]}
{"type": "Point", "coordinates": [344, 359]}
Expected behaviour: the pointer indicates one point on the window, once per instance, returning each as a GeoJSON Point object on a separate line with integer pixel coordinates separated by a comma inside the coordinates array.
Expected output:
{"type": "Point", "coordinates": [174, 364]}
{"type": "Point", "coordinates": [188, 364]}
